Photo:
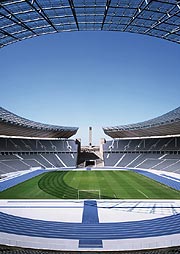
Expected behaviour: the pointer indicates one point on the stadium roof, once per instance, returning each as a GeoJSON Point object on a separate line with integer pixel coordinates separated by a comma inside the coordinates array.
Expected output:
{"type": "Point", "coordinates": [22, 19]}
{"type": "Point", "coordinates": [13, 125]}
{"type": "Point", "coordinates": [167, 124]}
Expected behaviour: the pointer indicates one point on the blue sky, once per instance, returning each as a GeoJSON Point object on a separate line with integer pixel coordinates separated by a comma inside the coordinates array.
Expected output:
{"type": "Point", "coordinates": [90, 79]}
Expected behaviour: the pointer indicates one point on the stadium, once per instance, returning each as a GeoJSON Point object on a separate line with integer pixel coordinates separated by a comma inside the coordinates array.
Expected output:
{"type": "Point", "coordinates": [57, 196]}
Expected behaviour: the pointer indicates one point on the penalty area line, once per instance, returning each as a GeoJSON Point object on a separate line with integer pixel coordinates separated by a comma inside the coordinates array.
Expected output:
{"type": "Point", "coordinates": [143, 193]}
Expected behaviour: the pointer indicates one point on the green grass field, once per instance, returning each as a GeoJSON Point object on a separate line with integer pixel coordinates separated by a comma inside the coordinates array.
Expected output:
{"type": "Point", "coordinates": [90, 184]}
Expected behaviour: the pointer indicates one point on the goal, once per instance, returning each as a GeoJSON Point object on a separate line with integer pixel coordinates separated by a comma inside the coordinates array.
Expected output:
{"type": "Point", "coordinates": [89, 194]}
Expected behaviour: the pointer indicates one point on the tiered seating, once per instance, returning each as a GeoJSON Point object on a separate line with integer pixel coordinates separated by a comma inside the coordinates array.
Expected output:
{"type": "Point", "coordinates": [127, 158]}
{"type": "Point", "coordinates": [21, 154]}
{"type": "Point", "coordinates": [36, 145]}
{"type": "Point", "coordinates": [111, 159]}
{"type": "Point", "coordinates": [53, 160]}
{"type": "Point", "coordinates": [32, 163]}
{"type": "Point", "coordinates": [155, 153]}
{"type": "Point", "coordinates": [146, 144]}
{"type": "Point", "coordinates": [165, 164]}
{"type": "Point", "coordinates": [34, 159]}
{"type": "Point", "coordinates": [149, 163]}
{"type": "Point", "coordinates": [68, 158]}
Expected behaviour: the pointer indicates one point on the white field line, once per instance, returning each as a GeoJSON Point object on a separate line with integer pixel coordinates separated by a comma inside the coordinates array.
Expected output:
{"type": "Point", "coordinates": [143, 193]}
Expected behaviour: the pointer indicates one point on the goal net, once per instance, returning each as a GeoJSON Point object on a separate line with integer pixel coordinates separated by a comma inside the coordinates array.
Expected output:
{"type": "Point", "coordinates": [89, 194]}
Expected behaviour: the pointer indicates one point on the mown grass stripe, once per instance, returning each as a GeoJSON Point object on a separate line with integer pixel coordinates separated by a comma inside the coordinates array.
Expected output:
{"type": "Point", "coordinates": [112, 185]}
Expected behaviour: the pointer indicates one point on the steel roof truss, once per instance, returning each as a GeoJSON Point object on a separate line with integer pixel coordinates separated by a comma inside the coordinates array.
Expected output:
{"type": "Point", "coordinates": [41, 12]}
{"type": "Point", "coordinates": [108, 2]}
{"type": "Point", "coordinates": [8, 34]}
{"type": "Point", "coordinates": [71, 3]}
{"type": "Point", "coordinates": [15, 19]}
{"type": "Point", "coordinates": [164, 18]}
{"type": "Point", "coordinates": [137, 12]}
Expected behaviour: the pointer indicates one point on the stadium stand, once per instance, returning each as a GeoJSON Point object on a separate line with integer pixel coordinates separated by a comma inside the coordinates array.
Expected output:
{"type": "Point", "coordinates": [137, 146]}
{"type": "Point", "coordinates": [155, 153]}
{"type": "Point", "coordinates": [145, 144]}
{"type": "Point", "coordinates": [10, 145]}
{"type": "Point", "coordinates": [15, 154]}
{"type": "Point", "coordinates": [20, 20]}
{"type": "Point", "coordinates": [37, 145]}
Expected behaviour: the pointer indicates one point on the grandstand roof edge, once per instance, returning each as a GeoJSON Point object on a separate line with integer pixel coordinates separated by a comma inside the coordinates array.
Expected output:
{"type": "Point", "coordinates": [144, 122]}
{"type": "Point", "coordinates": [38, 138]}
{"type": "Point", "coordinates": [146, 137]}
{"type": "Point", "coordinates": [169, 122]}
{"type": "Point", "coordinates": [35, 129]}
{"type": "Point", "coordinates": [27, 19]}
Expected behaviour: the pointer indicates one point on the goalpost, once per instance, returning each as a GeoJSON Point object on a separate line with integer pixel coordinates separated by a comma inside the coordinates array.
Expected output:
{"type": "Point", "coordinates": [89, 194]}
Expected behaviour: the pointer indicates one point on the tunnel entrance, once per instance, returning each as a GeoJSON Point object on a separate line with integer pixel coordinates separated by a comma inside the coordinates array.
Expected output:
{"type": "Point", "coordinates": [90, 163]}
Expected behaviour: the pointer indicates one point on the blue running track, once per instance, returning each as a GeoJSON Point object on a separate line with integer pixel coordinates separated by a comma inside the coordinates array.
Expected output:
{"type": "Point", "coordinates": [169, 182]}
{"type": "Point", "coordinates": [81, 231]}
{"type": "Point", "coordinates": [19, 179]}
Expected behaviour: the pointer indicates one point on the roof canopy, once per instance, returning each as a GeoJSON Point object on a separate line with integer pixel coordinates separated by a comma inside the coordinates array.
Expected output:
{"type": "Point", "coordinates": [13, 125]}
{"type": "Point", "coordinates": [167, 124]}
{"type": "Point", "coordinates": [22, 19]}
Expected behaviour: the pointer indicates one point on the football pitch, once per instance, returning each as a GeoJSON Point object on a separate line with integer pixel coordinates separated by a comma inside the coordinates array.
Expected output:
{"type": "Point", "coordinates": [110, 184]}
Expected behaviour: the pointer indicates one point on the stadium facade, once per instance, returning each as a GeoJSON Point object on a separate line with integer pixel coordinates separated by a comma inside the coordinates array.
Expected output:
{"type": "Point", "coordinates": [27, 148]}
{"type": "Point", "coordinates": [22, 158]}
